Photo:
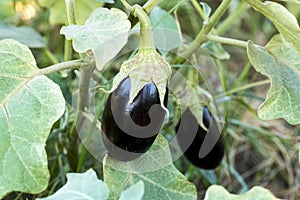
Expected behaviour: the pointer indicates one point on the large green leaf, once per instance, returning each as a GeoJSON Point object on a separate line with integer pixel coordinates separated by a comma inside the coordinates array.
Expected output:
{"type": "Point", "coordinates": [58, 13]}
{"type": "Point", "coordinates": [279, 61]}
{"type": "Point", "coordinates": [25, 35]}
{"type": "Point", "coordinates": [162, 183]}
{"type": "Point", "coordinates": [216, 192]}
{"type": "Point", "coordinates": [284, 21]}
{"type": "Point", "coordinates": [29, 105]}
{"type": "Point", "coordinates": [105, 33]}
{"type": "Point", "coordinates": [85, 186]}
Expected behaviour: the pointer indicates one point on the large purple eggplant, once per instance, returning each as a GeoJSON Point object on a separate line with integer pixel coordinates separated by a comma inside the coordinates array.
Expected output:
{"type": "Point", "coordinates": [129, 129]}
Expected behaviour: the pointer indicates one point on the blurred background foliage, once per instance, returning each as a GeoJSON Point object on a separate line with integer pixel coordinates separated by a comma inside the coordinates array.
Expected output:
{"type": "Point", "coordinates": [258, 152]}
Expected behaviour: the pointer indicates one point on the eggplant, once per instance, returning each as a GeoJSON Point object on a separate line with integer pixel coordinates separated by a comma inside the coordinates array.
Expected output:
{"type": "Point", "coordinates": [129, 129]}
{"type": "Point", "coordinates": [191, 137]}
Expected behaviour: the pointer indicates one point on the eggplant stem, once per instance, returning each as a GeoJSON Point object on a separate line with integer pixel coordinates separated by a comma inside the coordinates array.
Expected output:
{"type": "Point", "coordinates": [146, 36]}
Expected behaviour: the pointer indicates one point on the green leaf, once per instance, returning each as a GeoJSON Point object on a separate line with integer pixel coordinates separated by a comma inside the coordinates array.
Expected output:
{"type": "Point", "coordinates": [280, 62]}
{"type": "Point", "coordinates": [206, 9]}
{"type": "Point", "coordinates": [58, 13]}
{"type": "Point", "coordinates": [25, 35]}
{"type": "Point", "coordinates": [191, 96]}
{"type": "Point", "coordinates": [29, 105]}
{"type": "Point", "coordinates": [105, 33]}
{"type": "Point", "coordinates": [216, 192]}
{"type": "Point", "coordinates": [216, 50]}
{"type": "Point", "coordinates": [166, 33]}
{"type": "Point", "coordinates": [162, 180]}
{"type": "Point", "coordinates": [135, 192]}
{"type": "Point", "coordinates": [285, 22]}
{"type": "Point", "coordinates": [81, 186]}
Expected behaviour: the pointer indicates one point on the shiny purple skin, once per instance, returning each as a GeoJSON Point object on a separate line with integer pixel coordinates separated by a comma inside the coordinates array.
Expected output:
{"type": "Point", "coordinates": [127, 129]}
{"type": "Point", "coordinates": [191, 143]}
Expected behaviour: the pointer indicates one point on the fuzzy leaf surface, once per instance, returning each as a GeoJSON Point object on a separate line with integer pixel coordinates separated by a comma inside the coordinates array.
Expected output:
{"type": "Point", "coordinates": [280, 62]}
{"type": "Point", "coordinates": [84, 186]}
{"type": "Point", "coordinates": [160, 183]}
{"type": "Point", "coordinates": [29, 105]}
{"type": "Point", "coordinates": [105, 33]}
{"type": "Point", "coordinates": [216, 192]}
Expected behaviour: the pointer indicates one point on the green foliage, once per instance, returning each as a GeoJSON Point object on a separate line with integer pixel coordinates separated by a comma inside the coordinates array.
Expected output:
{"type": "Point", "coordinates": [81, 186]}
{"type": "Point", "coordinates": [162, 180]}
{"type": "Point", "coordinates": [216, 192]}
{"type": "Point", "coordinates": [285, 22]}
{"type": "Point", "coordinates": [25, 35]}
{"type": "Point", "coordinates": [88, 186]}
{"type": "Point", "coordinates": [165, 33]}
{"type": "Point", "coordinates": [104, 32]}
{"type": "Point", "coordinates": [29, 105]}
{"type": "Point", "coordinates": [258, 152]}
{"type": "Point", "coordinates": [279, 61]}
{"type": "Point", "coordinates": [135, 192]}
{"type": "Point", "coordinates": [216, 50]}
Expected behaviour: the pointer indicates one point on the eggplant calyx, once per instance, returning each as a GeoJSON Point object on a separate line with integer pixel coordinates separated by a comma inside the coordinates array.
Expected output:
{"type": "Point", "coordinates": [145, 67]}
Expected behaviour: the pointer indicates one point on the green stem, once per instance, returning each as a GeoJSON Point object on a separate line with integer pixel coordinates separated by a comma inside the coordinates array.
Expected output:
{"type": "Point", "coordinates": [68, 50]}
{"type": "Point", "coordinates": [71, 19]}
{"type": "Point", "coordinates": [61, 66]}
{"type": "Point", "coordinates": [243, 75]}
{"type": "Point", "coordinates": [72, 148]}
{"type": "Point", "coordinates": [50, 56]}
{"type": "Point", "coordinates": [245, 87]}
{"type": "Point", "coordinates": [127, 5]}
{"type": "Point", "coordinates": [84, 91]}
{"type": "Point", "coordinates": [224, 40]}
{"type": "Point", "coordinates": [199, 9]}
{"type": "Point", "coordinates": [83, 97]}
{"type": "Point", "coordinates": [146, 37]}
{"type": "Point", "coordinates": [82, 106]}
{"type": "Point", "coordinates": [206, 28]}
{"type": "Point", "coordinates": [90, 134]}
{"type": "Point", "coordinates": [234, 16]}
{"type": "Point", "coordinates": [71, 14]}
{"type": "Point", "coordinates": [148, 7]}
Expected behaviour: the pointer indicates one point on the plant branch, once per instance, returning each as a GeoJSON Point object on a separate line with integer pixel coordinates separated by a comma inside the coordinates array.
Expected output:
{"type": "Point", "coordinates": [71, 14]}
{"type": "Point", "coordinates": [50, 56]}
{"type": "Point", "coordinates": [229, 21]}
{"type": "Point", "coordinates": [68, 50]}
{"type": "Point", "coordinates": [148, 7]}
{"type": "Point", "coordinates": [84, 91]}
{"type": "Point", "coordinates": [61, 66]}
{"type": "Point", "coordinates": [127, 5]}
{"type": "Point", "coordinates": [225, 40]}
{"type": "Point", "coordinates": [90, 133]}
{"type": "Point", "coordinates": [206, 28]}
{"type": "Point", "coordinates": [71, 19]}
{"type": "Point", "coordinates": [82, 106]}
{"type": "Point", "coordinates": [245, 87]}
